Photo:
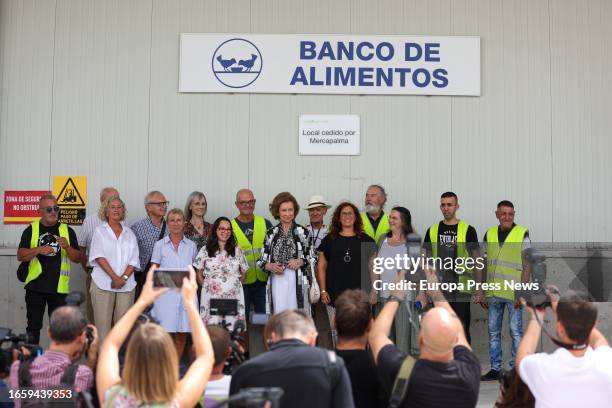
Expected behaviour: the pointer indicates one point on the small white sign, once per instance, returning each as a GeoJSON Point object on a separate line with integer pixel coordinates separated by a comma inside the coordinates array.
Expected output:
{"type": "Point", "coordinates": [332, 135]}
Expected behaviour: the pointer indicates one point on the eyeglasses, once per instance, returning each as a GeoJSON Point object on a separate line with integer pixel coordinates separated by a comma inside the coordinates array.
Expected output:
{"type": "Point", "coordinates": [245, 203]}
{"type": "Point", "coordinates": [160, 203]}
{"type": "Point", "coordinates": [224, 229]}
{"type": "Point", "coordinates": [51, 209]}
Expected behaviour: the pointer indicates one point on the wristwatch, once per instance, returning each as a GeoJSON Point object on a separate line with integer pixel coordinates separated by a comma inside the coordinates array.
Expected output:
{"type": "Point", "coordinates": [125, 277]}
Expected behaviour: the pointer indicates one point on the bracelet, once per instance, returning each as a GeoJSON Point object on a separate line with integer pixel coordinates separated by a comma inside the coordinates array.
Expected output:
{"type": "Point", "coordinates": [323, 291]}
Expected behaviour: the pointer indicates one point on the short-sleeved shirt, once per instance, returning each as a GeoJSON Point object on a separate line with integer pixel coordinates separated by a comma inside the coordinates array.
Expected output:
{"type": "Point", "coordinates": [434, 384]}
{"type": "Point", "coordinates": [119, 253]}
{"type": "Point", "coordinates": [248, 227]}
{"type": "Point", "coordinates": [560, 379]}
{"type": "Point", "coordinates": [147, 235]}
{"type": "Point", "coordinates": [447, 247]}
{"type": "Point", "coordinates": [48, 369]}
{"type": "Point", "coordinates": [51, 264]}
{"type": "Point", "coordinates": [165, 255]}
{"type": "Point", "coordinates": [347, 262]}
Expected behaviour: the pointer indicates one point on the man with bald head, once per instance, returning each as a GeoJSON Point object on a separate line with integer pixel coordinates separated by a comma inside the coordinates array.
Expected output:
{"type": "Point", "coordinates": [447, 373]}
{"type": "Point", "coordinates": [250, 232]}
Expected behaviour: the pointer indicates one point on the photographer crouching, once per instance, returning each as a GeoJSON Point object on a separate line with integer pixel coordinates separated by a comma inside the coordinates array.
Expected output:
{"type": "Point", "coordinates": [71, 338]}
{"type": "Point", "coordinates": [579, 372]}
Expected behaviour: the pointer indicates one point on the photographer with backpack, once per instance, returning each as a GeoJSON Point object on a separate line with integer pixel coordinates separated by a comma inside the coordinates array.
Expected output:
{"type": "Point", "coordinates": [446, 374]}
{"type": "Point", "coordinates": [71, 338]}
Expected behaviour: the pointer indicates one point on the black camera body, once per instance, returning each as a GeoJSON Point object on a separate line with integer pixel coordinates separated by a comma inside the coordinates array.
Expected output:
{"type": "Point", "coordinates": [18, 342]}
{"type": "Point", "coordinates": [536, 298]}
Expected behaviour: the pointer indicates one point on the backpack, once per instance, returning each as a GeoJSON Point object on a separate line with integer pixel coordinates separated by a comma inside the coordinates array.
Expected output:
{"type": "Point", "coordinates": [65, 387]}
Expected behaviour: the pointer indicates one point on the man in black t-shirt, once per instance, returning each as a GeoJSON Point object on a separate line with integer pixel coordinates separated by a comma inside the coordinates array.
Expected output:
{"type": "Point", "coordinates": [45, 251]}
{"type": "Point", "coordinates": [447, 373]}
{"type": "Point", "coordinates": [453, 238]}
{"type": "Point", "coordinates": [353, 324]}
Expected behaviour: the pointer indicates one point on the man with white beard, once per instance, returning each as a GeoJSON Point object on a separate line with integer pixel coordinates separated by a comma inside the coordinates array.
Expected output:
{"type": "Point", "coordinates": [375, 221]}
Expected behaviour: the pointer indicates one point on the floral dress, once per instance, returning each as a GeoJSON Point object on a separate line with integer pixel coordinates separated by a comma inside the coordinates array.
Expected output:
{"type": "Point", "coordinates": [118, 397]}
{"type": "Point", "coordinates": [221, 281]}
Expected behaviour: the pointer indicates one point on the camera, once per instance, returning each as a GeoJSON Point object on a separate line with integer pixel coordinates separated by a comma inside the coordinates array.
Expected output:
{"type": "Point", "coordinates": [17, 342]}
{"type": "Point", "coordinates": [536, 298]}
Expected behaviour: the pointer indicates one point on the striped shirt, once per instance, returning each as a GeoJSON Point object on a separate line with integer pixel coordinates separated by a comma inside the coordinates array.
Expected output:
{"type": "Point", "coordinates": [47, 370]}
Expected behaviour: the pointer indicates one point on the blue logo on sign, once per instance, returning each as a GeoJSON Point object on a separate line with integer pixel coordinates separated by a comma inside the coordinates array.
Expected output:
{"type": "Point", "coordinates": [237, 63]}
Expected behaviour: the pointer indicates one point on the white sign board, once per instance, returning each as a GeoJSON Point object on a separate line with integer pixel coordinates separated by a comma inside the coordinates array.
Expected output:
{"type": "Point", "coordinates": [329, 135]}
{"type": "Point", "coordinates": [330, 64]}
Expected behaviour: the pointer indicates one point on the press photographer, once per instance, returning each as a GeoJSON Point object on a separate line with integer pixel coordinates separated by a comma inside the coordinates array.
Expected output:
{"type": "Point", "coordinates": [446, 374]}
{"type": "Point", "coordinates": [579, 372]}
{"type": "Point", "coordinates": [68, 334]}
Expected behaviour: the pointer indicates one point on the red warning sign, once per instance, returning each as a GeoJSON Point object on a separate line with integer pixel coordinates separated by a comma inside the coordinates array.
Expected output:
{"type": "Point", "coordinates": [21, 207]}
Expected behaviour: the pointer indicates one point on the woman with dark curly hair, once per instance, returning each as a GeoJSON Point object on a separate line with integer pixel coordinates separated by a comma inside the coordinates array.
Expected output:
{"type": "Point", "coordinates": [221, 267]}
{"type": "Point", "coordinates": [287, 257]}
{"type": "Point", "coordinates": [343, 257]}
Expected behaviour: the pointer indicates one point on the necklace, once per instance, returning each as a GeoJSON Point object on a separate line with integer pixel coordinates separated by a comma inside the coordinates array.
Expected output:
{"type": "Point", "coordinates": [314, 238]}
{"type": "Point", "coordinates": [347, 254]}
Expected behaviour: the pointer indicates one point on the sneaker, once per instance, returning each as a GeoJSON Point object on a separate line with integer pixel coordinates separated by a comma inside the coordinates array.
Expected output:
{"type": "Point", "coordinates": [492, 375]}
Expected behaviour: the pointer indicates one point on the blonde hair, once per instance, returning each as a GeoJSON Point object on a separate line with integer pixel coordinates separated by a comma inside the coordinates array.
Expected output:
{"type": "Point", "coordinates": [151, 370]}
{"type": "Point", "coordinates": [102, 211]}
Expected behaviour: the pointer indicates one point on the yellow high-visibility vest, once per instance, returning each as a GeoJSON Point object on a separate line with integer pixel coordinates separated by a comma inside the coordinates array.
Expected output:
{"type": "Point", "coordinates": [462, 251]}
{"type": "Point", "coordinates": [505, 261]}
{"type": "Point", "coordinates": [35, 268]}
{"type": "Point", "coordinates": [252, 250]}
{"type": "Point", "coordinates": [382, 229]}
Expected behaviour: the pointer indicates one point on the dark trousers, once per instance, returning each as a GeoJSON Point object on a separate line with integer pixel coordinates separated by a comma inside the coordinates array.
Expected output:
{"type": "Point", "coordinates": [35, 311]}
{"type": "Point", "coordinates": [255, 294]}
{"type": "Point", "coordinates": [461, 306]}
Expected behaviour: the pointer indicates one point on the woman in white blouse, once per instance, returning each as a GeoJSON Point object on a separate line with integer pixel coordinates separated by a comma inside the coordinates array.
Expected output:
{"type": "Point", "coordinates": [113, 255]}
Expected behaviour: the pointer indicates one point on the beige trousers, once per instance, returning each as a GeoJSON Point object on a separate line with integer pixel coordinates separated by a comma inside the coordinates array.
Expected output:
{"type": "Point", "coordinates": [108, 307]}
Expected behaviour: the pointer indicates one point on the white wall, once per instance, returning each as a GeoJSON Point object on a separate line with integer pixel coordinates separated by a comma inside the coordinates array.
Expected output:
{"type": "Point", "coordinates": [90, 88]}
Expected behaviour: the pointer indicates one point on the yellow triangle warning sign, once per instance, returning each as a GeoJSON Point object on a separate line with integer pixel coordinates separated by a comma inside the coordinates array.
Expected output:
{"type": "Point", "coordinates": [69, 194]}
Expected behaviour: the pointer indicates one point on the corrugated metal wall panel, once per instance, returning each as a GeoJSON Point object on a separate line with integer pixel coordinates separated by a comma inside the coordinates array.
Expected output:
{"type": "Point", "coordinates": [93, 85]}
{"type": "Point", "coordinates": [581, 55]}
{"type": "Point", "coordinates": [26, 67]}
{"type": "Point", "coordinates": [101, 95]}
{"type": "Point", "coordinates": [197, 141]}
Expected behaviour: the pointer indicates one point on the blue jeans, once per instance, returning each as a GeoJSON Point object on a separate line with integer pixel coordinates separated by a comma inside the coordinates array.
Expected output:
{"type": "Point", "coordinates": [496, 316]}
{"type": "Point", "coordinates": [255, 293]}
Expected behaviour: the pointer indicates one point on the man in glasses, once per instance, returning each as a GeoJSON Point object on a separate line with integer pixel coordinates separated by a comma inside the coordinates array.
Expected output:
{"type": "Point", "coordinates": [45, 251]}
{"type": "Point", "coordinates": [148, 231]}
{"type": "Point", "coordinates": [250, 232]}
